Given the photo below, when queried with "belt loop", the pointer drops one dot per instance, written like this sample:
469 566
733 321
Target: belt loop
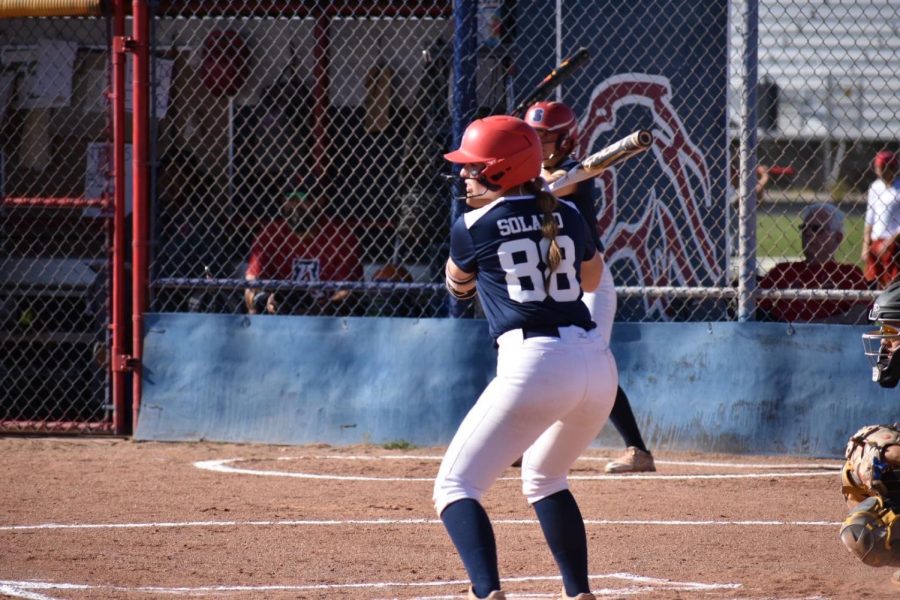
545 331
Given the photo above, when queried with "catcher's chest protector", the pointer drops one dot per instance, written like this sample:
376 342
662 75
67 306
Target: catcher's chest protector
871 486
872 454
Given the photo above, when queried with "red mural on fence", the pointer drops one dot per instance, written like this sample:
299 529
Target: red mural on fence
666 235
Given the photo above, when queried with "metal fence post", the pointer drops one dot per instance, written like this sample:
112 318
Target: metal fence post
748 199
140 134
465 40
119 363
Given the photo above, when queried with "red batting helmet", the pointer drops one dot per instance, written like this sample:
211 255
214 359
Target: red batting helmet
885 159
556 117
509 148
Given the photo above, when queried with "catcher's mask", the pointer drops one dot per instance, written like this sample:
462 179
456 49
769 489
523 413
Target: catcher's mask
881 345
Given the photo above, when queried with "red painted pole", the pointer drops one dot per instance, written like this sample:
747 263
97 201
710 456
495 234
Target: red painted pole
140 122
117 99
321 81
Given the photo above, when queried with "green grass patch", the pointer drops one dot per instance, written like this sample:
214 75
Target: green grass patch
779 235
398 445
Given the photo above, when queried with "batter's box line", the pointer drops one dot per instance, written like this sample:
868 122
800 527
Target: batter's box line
400 522
28 589
683 463
225 466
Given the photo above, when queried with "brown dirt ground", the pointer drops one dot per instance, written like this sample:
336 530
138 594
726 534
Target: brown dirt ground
239 538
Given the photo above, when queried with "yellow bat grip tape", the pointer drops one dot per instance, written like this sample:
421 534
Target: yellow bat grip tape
10 9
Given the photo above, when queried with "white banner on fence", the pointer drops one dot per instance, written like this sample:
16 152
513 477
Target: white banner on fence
48 78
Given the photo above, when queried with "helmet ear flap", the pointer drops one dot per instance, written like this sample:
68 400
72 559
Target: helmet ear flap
511 170
566 144
490 176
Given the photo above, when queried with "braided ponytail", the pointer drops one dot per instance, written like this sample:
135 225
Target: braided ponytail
547 202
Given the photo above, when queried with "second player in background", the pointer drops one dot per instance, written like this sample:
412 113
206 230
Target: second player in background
556 126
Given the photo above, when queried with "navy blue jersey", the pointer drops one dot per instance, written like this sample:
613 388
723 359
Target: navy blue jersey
502 243
583 199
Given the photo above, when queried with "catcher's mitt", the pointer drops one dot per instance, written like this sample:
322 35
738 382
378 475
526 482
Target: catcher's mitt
873 456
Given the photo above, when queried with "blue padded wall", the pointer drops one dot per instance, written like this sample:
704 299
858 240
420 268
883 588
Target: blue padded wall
729 387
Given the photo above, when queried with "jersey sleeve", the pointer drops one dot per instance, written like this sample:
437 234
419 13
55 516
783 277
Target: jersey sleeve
255 261
855 278
776 278
871 201
591 241
348 247
587 207
462 248
356 270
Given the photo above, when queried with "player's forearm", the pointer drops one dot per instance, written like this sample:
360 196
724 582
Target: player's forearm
550 177
249 294
459 283
591 273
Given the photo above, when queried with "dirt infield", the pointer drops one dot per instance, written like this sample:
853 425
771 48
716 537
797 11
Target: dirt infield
107 518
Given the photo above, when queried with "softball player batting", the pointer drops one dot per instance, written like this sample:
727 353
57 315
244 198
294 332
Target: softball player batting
529 256
555 125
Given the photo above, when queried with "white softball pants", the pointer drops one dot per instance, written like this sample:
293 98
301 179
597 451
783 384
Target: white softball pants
602 304
549 400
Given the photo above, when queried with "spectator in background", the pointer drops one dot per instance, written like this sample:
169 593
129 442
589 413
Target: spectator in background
882 229
393 302
821 232
762 181
305 244
189 232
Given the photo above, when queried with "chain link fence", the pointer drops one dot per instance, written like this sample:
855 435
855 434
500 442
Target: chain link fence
350 109
828 103
296 162
54 230
301 150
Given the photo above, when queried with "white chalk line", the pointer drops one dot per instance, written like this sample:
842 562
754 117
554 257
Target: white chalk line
650 584
225 466
408 522
25 589
17 592
686 463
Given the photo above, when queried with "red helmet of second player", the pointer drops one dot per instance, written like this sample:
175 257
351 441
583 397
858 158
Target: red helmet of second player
554 117
508 147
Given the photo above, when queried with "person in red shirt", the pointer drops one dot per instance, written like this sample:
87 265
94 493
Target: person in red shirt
305 245
821 231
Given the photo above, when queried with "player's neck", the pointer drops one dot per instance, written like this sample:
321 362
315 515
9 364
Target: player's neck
551 164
